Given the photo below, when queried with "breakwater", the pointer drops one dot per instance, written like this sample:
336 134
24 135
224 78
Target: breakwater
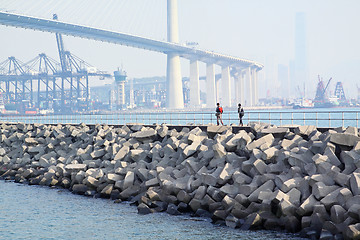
265 177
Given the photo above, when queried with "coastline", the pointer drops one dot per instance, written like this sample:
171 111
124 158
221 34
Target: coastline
259 177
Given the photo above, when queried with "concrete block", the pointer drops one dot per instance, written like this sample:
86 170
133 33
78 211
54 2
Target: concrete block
338 214
91 182
75 167
357 148
277 132
278 196
145 135
269 185
253 221
191 149
226 174
289 184
323 178
143 209
119 156
354 211
344 196
113 177
195 204
294 196
270 154
152 182
352 232
333 159
291 223
219 150
286 208
355 183
307 206
233 222
331 199
79 189
259 166
317 147
352 130
192 165
304 130
240 139
344 139
241 178
269 139
162 131
230 190
107 190
320 190
287 144
129 179
212 130
183 196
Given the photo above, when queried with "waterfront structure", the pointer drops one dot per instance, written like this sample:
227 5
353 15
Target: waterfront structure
231 66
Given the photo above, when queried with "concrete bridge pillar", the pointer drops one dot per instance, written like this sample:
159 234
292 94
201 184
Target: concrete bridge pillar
174 93
237 88
249 91
210 85
226 93
194 84
255 87
239 80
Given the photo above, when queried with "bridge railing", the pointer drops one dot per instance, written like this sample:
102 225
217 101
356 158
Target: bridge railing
279 118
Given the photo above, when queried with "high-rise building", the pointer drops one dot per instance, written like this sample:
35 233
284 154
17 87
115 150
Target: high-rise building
301 67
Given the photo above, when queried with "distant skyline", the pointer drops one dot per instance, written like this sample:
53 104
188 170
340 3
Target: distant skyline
256 30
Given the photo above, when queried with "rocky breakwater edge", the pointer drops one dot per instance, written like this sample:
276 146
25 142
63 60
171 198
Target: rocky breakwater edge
267 177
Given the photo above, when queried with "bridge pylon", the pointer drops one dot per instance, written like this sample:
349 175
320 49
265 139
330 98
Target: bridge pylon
174 99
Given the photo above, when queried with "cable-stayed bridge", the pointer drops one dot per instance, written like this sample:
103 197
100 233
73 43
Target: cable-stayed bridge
244 71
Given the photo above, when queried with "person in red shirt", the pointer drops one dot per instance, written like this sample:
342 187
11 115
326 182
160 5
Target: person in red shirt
219 111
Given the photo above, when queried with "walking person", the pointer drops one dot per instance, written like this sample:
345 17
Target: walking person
219 111
241 114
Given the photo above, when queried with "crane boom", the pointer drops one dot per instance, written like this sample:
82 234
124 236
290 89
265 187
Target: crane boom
61 49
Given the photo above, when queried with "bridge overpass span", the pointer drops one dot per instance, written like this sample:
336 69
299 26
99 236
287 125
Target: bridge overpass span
243 70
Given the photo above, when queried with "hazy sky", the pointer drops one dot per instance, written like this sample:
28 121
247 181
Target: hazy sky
252 29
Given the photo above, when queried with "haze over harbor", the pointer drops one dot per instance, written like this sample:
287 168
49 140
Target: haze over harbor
237 28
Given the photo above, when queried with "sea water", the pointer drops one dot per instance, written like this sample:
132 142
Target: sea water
37 212
321 117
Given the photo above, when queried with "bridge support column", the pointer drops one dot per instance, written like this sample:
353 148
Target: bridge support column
174 92
210 85
225 77
194 84
249 96
255 87
240 88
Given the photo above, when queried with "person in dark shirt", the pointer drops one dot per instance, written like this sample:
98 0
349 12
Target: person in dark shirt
241 114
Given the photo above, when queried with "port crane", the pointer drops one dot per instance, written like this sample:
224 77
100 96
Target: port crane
43 83
321 98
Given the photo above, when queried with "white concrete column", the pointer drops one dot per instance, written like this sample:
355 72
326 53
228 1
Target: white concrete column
210 85
226 93
249 91
194 84
172 21
174 92
237 88
255 87
240 80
